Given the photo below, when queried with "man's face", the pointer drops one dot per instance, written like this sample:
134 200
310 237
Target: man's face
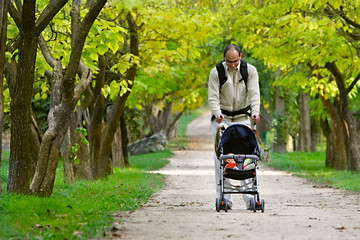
232 58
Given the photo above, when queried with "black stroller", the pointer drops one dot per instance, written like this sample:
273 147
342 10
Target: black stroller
238 142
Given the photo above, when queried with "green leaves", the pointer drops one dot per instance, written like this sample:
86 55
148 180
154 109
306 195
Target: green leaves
127 4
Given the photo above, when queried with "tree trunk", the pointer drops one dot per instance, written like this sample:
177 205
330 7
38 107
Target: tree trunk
78 166
116 150
151 118
124 141
119 154
119 104
22 138
3 30
345 119
304 140
67 163
336 156
95 131
353 142
81 165
43 181
165 117
264 125
171 131
331 155
314 134
280 145
97 124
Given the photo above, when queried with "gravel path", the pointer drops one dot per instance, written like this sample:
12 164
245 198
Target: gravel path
185 209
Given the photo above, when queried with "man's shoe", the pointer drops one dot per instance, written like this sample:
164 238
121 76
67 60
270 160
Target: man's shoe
230 204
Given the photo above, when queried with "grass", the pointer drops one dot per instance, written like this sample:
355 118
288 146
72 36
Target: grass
82 210
312 166
151 161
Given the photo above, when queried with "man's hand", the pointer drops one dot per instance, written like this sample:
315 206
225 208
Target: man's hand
255 118
219 118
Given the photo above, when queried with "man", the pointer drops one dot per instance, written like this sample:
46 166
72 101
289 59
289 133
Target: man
233 97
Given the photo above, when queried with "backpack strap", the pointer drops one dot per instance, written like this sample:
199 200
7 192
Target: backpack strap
221 72
244 72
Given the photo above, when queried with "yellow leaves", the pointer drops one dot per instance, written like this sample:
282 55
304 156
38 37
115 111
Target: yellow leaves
7 100
313 25
115 89
105 91
44 91
250 45
94 56
172 35
102 49
280 22
127 5
357 3
322 84
335 3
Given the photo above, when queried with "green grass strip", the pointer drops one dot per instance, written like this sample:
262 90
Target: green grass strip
81 210
312 166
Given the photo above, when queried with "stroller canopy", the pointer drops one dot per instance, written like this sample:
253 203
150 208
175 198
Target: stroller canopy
238 139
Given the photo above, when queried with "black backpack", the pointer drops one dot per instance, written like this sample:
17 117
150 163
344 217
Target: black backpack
221 72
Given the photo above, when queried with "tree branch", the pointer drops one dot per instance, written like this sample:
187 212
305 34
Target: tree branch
75 20
15 14
46 51
356 113
78 44
134 38
85 80
353 83
343 16
18 5
48 14
331 66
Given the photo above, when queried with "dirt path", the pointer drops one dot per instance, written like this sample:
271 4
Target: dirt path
185 208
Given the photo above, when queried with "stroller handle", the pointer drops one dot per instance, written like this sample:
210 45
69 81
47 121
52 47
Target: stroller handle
239 157
253 117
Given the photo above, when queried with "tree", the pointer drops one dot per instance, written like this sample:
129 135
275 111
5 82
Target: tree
3 29
103 164
317 34
304 142
65 95
20 75
27 149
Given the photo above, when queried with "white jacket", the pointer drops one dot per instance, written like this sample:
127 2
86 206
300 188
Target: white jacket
233 95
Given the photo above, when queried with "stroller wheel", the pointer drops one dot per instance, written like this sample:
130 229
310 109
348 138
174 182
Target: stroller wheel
262 205
226 206
253 204
217 204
